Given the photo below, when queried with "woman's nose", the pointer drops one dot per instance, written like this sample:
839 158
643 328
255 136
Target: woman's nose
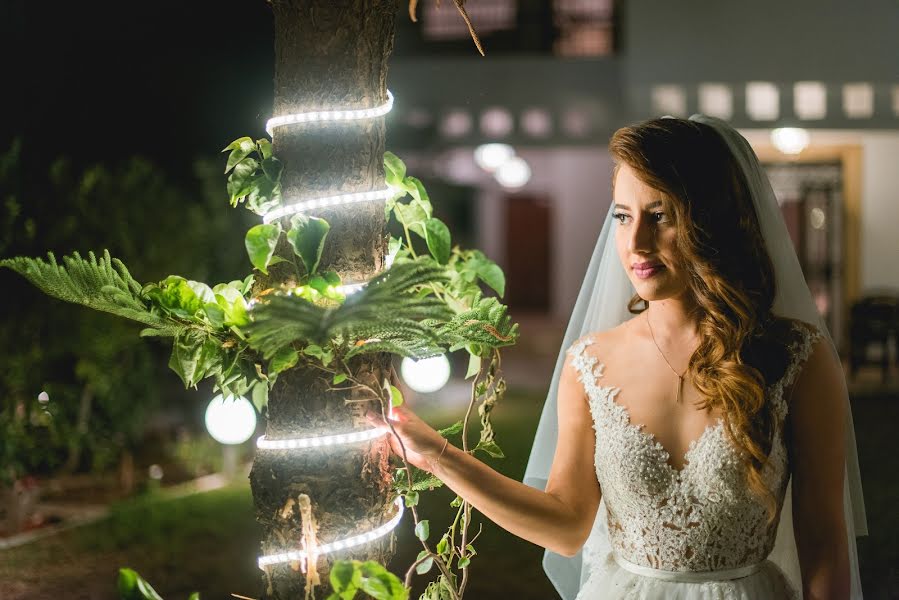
642 236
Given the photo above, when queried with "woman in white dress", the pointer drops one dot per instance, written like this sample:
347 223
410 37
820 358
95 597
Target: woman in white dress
694 442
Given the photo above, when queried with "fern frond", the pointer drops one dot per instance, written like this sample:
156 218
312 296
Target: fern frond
389 307
104 285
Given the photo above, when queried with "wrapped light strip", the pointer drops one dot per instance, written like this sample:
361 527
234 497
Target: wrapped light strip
305 205
318 442
356 540
330 115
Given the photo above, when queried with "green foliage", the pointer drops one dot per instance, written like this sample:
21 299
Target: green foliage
257 181
132 586
104 285
385 315
350 576
260 242
307 238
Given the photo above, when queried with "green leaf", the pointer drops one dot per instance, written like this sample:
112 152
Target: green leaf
422 530
240 149
452 429
394 169
417 189
470 549
380 583
490 448
339 378
313 350
283 360
272 168
194 596
260 243
411 499
424 566
438 239
193 355
492 275
443 544
260 395
413 216
464 562
307 237
474 365
265 148
341 575
240 179
133 587
396 396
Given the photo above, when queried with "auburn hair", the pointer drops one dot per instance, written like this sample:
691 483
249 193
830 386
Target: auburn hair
742 346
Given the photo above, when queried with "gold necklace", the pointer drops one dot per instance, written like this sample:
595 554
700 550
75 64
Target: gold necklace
680 378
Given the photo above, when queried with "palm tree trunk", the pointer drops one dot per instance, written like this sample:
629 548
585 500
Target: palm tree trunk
328 53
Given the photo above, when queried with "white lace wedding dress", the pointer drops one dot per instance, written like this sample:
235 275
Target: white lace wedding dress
690 534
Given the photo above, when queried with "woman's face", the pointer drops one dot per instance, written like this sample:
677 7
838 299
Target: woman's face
645 235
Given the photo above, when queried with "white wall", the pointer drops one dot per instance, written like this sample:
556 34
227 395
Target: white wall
880 211
577 180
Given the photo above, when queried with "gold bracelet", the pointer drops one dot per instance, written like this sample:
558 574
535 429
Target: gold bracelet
445 443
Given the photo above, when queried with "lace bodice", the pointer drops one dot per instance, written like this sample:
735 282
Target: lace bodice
700 518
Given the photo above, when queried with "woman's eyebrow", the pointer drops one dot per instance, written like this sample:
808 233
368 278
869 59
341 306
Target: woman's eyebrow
650 205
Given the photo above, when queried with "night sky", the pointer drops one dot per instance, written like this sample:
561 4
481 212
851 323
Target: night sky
103 80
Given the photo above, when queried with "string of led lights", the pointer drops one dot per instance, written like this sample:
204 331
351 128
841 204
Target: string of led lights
320 117
330 115
356 540
319 441
305 205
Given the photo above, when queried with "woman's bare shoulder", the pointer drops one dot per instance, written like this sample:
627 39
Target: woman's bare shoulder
609 338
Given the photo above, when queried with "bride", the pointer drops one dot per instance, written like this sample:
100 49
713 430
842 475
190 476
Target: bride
696 441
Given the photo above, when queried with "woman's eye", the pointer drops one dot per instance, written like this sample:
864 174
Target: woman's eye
620 217
660 217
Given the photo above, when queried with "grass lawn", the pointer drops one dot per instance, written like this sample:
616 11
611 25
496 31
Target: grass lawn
208 542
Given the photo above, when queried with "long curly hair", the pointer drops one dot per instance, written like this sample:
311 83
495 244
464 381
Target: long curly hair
743 344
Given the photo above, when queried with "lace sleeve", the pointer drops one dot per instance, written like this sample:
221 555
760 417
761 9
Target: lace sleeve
799 351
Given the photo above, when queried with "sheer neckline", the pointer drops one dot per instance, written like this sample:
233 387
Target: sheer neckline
716 426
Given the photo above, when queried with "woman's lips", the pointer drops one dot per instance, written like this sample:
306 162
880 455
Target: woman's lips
650 270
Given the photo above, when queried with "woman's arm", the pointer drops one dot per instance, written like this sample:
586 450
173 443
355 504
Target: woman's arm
560 518
817 422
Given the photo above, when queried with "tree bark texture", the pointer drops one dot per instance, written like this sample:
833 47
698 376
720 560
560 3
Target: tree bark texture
328 54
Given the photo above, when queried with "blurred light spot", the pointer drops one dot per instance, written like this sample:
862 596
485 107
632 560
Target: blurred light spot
513 173
762 101
858 100
418 118
790 140
716 100
817 218
575 123
456 123
810 100
155 472
496 122
536 122
43 397
427 374
490 156
669 99
230 421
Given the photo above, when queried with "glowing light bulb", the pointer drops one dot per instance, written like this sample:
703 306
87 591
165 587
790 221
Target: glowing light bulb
230 421
513 173
490 156
426 375
790 140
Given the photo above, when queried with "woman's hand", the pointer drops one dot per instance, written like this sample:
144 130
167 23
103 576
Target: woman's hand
422 442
